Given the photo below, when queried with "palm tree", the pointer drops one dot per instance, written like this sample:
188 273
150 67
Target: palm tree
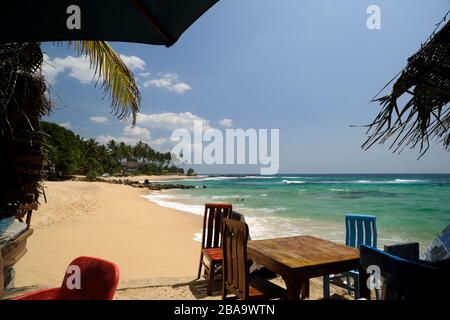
23 102
113 148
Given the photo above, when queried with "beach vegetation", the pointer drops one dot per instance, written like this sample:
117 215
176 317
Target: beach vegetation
191 172
69 154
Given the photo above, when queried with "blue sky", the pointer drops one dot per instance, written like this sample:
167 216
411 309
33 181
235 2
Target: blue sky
308 68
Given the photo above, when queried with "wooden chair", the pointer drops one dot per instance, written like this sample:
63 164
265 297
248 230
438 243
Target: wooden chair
359 230
236 278
212 239
406 279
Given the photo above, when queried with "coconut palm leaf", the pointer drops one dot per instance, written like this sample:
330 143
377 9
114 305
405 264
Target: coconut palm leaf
425 86
117 80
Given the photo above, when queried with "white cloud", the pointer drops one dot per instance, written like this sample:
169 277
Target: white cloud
226 122
131 135
78 67
137 132
104 139
66 125
99 119
170 120
160 141
145 74
168 81
133 63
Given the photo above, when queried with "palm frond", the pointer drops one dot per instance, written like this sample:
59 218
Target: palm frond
117 80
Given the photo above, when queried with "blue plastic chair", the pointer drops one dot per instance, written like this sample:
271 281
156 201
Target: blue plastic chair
359 230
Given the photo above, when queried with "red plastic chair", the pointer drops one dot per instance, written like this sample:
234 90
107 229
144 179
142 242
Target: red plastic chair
98 279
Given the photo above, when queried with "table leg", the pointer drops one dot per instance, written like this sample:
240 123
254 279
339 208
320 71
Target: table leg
364 291
295 287
305 289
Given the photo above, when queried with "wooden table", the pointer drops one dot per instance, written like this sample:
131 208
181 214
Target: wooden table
297 259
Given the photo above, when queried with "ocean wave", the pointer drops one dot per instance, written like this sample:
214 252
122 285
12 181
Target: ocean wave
293 182
236 196
407 180
159 199
395 181
263 210
389 181
260 177
263 194
213 178
288 177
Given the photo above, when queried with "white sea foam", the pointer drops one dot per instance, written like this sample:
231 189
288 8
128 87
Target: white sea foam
407 180
208 179
236 196
293 182
260 177
263 194
159 199
287 177
387 181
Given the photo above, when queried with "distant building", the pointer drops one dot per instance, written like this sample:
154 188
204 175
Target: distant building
129 164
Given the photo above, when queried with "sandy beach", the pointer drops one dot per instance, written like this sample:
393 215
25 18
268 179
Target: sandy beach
112 222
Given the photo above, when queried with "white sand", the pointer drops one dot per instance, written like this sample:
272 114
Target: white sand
111 222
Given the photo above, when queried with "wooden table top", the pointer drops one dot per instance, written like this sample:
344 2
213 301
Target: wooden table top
303 251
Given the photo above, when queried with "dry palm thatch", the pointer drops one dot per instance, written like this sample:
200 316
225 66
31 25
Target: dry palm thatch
425 116
22 104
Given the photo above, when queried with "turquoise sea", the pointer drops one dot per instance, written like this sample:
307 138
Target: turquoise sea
408 207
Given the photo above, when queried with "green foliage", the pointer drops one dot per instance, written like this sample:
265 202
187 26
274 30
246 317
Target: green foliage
70 154
191 172
64 149
91 175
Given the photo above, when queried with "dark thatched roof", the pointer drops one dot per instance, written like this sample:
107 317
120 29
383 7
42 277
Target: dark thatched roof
22 104
424 88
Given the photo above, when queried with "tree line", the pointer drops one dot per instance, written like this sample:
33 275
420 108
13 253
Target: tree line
69 154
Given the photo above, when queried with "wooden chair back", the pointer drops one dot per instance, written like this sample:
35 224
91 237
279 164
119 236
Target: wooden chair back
360 229
235 262
212 224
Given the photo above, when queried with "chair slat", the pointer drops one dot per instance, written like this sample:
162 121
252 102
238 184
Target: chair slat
347 231
234 259
368 233
375 234
352 235
217 228
210 230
